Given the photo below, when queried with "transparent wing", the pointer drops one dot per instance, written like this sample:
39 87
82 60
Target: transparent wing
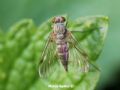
48 58
78 59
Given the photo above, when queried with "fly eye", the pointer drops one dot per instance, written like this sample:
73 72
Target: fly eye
53 20
58 20
63 19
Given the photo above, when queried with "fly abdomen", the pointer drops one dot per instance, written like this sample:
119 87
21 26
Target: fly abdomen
63 54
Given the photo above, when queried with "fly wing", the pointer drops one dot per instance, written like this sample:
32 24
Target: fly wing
48 58
78 59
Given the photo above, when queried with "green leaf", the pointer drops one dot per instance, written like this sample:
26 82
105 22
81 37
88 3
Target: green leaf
24 43
93 32
97 28
17 41
2 55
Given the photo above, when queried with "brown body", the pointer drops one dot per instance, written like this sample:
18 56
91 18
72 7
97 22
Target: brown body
60 33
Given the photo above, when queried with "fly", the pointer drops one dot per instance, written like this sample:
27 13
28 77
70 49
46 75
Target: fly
62 45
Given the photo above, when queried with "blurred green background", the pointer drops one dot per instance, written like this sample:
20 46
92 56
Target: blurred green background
12 11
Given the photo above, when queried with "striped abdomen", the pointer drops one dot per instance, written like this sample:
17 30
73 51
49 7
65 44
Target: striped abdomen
62 50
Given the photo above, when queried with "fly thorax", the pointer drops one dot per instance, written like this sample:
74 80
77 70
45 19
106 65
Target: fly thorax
59 28
60 36
60 41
